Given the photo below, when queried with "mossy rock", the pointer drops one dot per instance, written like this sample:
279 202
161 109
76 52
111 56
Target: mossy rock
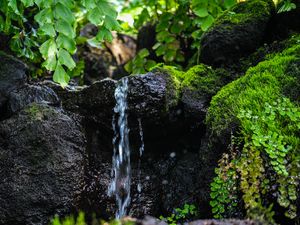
273 78
238 32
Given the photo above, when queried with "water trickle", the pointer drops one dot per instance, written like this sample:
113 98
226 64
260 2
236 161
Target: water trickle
142 148
121 169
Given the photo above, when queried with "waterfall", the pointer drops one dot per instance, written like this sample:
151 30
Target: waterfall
121 170
142 148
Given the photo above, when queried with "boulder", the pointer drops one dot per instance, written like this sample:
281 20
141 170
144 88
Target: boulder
238 32
41 161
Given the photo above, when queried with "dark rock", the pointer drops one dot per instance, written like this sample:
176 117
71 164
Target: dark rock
12 76
284 24
95 102
225 222
27 94
41 161
236 33
152 95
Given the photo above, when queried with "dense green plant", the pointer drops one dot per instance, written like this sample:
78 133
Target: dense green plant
180 215
266 164
80 220
179 25
46 31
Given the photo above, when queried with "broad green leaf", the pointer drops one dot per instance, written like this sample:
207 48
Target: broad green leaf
48 29
229 3
65 28
104 34
50 63
68 3
89 4
106 8
111 24
207 22
150 64
48 49
13 5
27 3
201 11
60 76
63 12
67 43
65 58
143 53
95 16
44 16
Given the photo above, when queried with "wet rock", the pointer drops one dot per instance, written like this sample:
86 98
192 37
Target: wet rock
41 165
225 222
148 220
12 76
27 94
95 102
152 95
236 33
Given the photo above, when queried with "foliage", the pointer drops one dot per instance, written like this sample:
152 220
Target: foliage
140 64
268 158
80 220
179 26
180 214
47 30
286 6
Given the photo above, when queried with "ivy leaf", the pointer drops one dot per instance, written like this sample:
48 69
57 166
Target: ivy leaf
106 8
104 34
60 76
207 22
143 53
48 49
27 3
65 28
48 29
65 58
95 16
201 11
13 5
111 24
89 4
44 16
229 3
67 43
62 12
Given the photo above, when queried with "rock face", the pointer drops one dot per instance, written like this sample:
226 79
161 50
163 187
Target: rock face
41 161
236 33
154 221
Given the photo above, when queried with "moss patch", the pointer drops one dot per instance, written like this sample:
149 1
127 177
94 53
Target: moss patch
267 81
245 12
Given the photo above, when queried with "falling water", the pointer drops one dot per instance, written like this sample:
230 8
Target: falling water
121 171
142 148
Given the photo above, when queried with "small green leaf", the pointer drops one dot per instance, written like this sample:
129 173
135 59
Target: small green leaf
65 28
65 58
60 76
143 53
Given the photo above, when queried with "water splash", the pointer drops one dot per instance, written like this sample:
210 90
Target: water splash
121 170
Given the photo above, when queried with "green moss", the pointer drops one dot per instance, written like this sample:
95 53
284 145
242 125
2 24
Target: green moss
245 12
205 79
39 111
267 81
265 106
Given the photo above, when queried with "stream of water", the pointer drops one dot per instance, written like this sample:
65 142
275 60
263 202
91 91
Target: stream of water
121 169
